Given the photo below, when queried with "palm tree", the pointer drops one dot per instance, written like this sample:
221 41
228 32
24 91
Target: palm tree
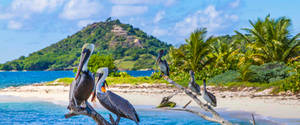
269 40
225 54
195 54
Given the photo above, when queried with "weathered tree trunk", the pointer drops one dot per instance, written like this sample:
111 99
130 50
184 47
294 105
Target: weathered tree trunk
90 112
215 115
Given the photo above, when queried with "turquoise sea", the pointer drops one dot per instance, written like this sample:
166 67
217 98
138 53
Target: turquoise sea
42 113
19 111
8 79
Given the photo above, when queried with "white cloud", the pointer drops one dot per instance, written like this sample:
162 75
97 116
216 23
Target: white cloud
214 20
6 16
234 4
159 32
34 5
160 15
29 5
131 2
186 26
83 23
25 8
232 17
14 25
170 2
127 10
211 11
79 9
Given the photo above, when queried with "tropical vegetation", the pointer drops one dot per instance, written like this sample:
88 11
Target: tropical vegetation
267 54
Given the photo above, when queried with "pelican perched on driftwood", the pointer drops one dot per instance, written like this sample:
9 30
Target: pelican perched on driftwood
83 85
111 101
163 65
193 85
209 97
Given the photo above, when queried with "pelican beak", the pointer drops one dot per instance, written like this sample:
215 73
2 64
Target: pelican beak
158 59
106 84
97 76
161 52
103 89
84 58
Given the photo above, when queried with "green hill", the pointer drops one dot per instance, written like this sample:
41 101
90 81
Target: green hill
131 48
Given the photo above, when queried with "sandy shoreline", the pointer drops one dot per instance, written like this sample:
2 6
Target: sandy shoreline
260 103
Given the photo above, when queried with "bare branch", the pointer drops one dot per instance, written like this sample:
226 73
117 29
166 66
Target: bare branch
196 113
88 111
253 119
216 117
171 96
187 104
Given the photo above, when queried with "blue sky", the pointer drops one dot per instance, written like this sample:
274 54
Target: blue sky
29 25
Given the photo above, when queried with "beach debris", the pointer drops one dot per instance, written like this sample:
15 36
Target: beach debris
215 115
88 111
165 102
170 104
253 120
187 104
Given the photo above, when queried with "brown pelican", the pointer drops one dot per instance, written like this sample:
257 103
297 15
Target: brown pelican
83 85
111 101
208 97
163 65
193 85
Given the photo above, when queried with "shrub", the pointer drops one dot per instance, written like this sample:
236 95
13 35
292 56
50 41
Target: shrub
291 83
269 72
124 74
226 77
155 75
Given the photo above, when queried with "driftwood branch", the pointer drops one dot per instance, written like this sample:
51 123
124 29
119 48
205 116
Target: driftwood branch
167 98
215 115
253 120
90 112
187 104
196 113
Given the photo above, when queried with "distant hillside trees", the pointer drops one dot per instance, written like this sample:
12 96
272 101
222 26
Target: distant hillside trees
110 38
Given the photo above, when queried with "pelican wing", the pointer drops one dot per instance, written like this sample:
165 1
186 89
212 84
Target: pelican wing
73 85
213 99
167 68
194 87
197 87
122 106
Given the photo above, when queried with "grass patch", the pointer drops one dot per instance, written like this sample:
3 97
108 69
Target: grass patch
280 86
111 80
60 81
133 80
125 64
66 80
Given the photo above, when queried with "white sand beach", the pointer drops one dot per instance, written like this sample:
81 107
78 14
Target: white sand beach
145 94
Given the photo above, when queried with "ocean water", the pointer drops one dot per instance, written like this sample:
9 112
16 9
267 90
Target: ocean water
21 111
42 113
139 73
29 77
8 79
